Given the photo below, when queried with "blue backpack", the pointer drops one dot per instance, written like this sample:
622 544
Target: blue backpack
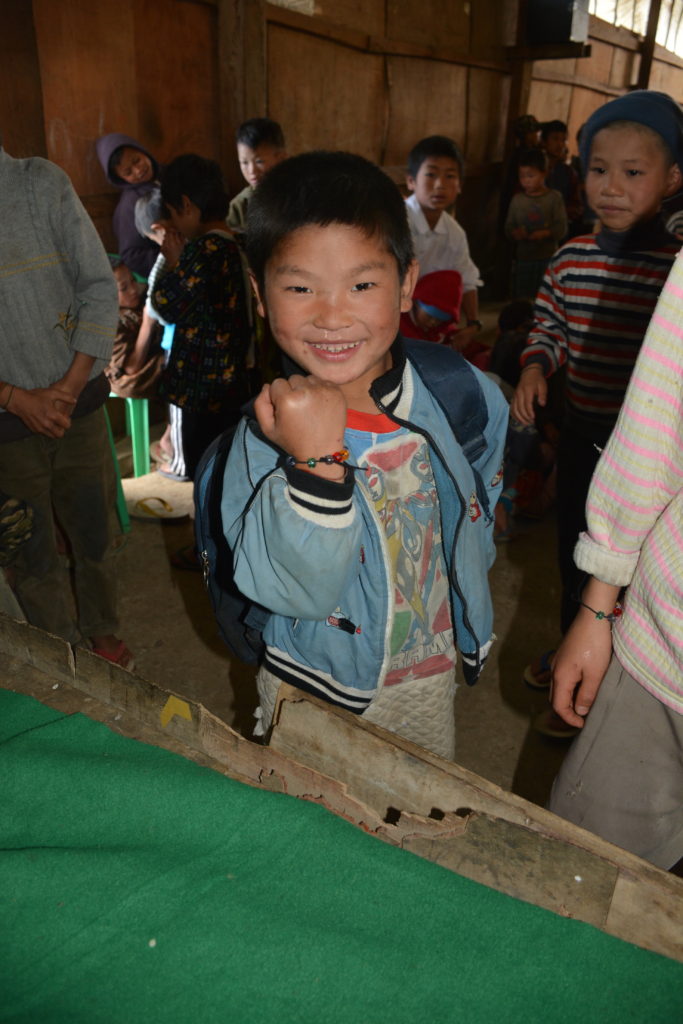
241 621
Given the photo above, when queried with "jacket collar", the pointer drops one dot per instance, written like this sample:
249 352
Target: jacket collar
643 237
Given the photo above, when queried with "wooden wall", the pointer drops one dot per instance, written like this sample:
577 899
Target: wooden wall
368 75
572 89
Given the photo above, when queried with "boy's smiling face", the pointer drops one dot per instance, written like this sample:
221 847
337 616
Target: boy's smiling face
133 166
334 299
628 176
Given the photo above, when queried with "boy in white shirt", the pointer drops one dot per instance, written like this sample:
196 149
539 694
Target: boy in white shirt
435 170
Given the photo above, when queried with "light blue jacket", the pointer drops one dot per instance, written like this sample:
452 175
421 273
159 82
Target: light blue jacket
312 550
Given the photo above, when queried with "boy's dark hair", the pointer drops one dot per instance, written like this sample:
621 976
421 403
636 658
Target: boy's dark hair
552 126
199 179
259 131
149 210
322 188
532 158
434 145
115 262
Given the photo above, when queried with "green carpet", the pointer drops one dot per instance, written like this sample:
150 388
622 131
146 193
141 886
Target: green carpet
138 887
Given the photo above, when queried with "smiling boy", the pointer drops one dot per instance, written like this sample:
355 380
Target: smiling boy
435 171
351 508
133 170
599 293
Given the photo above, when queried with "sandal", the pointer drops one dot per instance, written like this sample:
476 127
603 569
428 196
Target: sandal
186 558
539 674
120 656
155 509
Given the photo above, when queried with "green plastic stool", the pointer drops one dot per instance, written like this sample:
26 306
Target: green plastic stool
137 428
121 507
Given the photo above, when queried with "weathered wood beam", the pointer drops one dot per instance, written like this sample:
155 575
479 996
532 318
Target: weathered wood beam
648 47
392 789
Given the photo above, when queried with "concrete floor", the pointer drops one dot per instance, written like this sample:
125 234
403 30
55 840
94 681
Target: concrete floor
167 621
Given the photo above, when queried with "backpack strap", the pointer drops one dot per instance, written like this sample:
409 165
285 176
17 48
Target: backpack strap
453 383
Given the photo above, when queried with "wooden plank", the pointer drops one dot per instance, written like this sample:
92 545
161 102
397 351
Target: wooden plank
389 787
624 69
579 81
21 100
616 35
508 843
411 116
430 21
89 83
583 103
313 91
488 95
667 78
550 101
648 47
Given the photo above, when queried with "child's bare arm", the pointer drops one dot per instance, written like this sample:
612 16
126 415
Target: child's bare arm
532 388
584 655
306 417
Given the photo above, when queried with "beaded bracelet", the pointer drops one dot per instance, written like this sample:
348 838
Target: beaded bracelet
335 459
611 617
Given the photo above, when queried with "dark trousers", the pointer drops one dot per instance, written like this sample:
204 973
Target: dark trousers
198 430
576 460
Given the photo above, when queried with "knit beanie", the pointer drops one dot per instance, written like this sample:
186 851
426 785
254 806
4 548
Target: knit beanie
440 293
654 109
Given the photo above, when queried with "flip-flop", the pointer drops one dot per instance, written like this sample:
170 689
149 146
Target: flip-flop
542 679
117 656
155 509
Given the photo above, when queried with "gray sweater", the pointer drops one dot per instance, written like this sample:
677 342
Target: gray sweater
57 291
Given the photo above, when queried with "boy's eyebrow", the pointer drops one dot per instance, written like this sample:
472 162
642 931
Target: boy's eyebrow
362 268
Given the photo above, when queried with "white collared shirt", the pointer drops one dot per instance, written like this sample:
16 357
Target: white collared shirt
443 247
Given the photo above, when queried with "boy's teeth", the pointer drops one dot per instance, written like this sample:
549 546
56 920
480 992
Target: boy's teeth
334 348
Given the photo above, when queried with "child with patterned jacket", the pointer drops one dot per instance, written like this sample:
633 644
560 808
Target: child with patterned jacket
352 511
201 290
623 777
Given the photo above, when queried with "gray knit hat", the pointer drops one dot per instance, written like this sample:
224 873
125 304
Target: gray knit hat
656 110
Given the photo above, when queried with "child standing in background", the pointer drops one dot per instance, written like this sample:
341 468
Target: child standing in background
597 298
536 221
133 170
260 146
435 172
201 290
135 367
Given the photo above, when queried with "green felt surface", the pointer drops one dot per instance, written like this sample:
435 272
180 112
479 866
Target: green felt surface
137 886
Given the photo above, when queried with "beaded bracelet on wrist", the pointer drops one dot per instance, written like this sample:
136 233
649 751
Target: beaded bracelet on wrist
610 617
339 458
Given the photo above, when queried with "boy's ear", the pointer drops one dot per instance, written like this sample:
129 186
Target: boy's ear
410 182
260 304
408 286
674 180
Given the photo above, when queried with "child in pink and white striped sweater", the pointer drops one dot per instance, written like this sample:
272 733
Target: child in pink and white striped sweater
623 777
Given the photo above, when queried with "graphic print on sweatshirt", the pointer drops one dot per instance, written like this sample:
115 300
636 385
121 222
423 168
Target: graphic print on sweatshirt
399 481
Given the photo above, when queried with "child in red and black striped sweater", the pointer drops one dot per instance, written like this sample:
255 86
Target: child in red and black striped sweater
599 293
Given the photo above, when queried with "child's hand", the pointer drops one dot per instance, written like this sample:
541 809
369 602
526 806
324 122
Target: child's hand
539 235
171 247
306 417
532 388
44 410
579 667
519 234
